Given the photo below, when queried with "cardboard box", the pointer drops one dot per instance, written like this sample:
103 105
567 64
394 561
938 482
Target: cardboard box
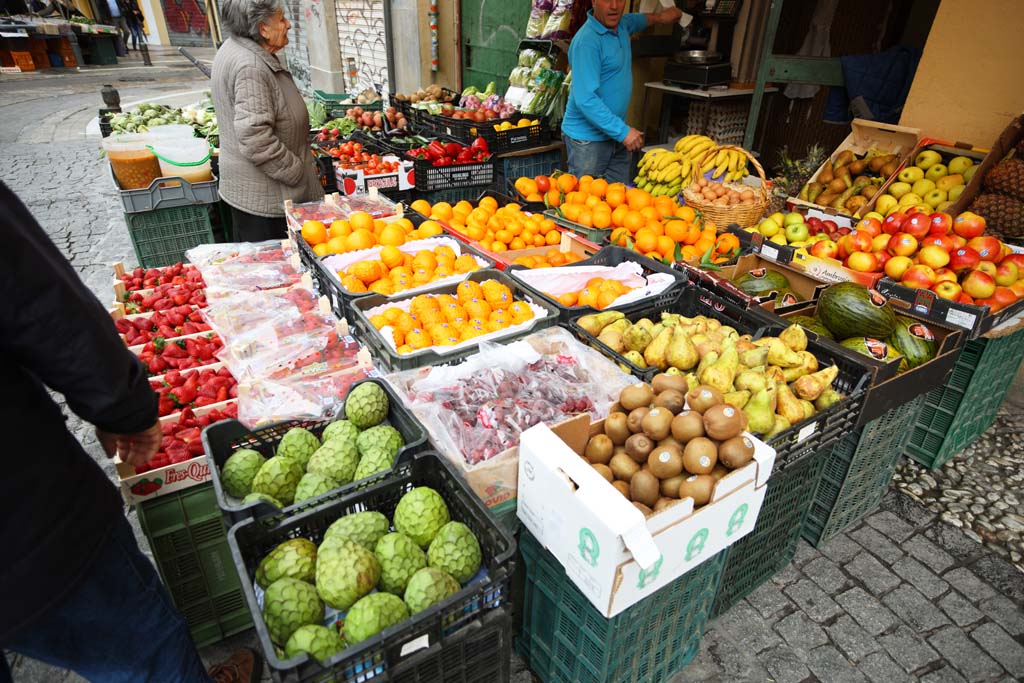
976 320
351 181
721 281
615 556
570 243
1006 141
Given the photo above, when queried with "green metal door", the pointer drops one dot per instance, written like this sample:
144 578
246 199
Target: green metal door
491 31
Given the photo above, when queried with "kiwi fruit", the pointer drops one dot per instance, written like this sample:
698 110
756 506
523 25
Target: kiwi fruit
687 425
636 418
643 508
669 441
638 447
736 452
604 471
698 487
663 382
671 399
657 424
670 486
616 429
723 422
599 449
623 467
700 456
636 396
666 462
703 397
719 471
617 408
644 488
617 450
622 487
663 503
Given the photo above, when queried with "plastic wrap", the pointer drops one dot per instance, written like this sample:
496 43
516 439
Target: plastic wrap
540 12
238 274
316 397
212 254
272 353
520 76
528 57
557 26
232 313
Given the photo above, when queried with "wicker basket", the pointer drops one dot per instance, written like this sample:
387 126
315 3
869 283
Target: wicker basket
743 215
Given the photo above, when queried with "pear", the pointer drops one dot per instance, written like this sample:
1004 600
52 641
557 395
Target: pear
794 337
656 330
808 409
595 323
706 362
656 351
589 324
743 344
808 364
691 381
774 374
751 380
781 355
681 352
636 358
673 371
637 337
728 332
754 358
827 399
670 318
810 387
722 372
737 399
621 325
705 347
612 339
645 323
760 410
789 405
779 425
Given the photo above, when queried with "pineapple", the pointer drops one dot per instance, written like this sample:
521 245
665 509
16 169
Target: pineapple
1007 178
1003 215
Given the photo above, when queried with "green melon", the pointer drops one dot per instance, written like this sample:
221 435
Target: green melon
761 282
876 349
914 340
812 324
850 310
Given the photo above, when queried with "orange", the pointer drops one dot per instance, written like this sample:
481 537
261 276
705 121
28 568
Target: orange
655 226
520 311
517 243
489 203
665 206
454 312
584 184
566 182
585 218
606 298
646 240
615 195
391 257
676 230
392 235
633 221
690 253
378 225
555 257
405 224
526 186
314 232
687 213
462 207
398 272
602 217
469 290
592 201
441 210
619 215
385 287
573 258
703 244
477 308
588 296
361 238
599 187
320 249
360 220
366 271
421 206
339 228
418 339
378 321
424 260
466 264
649 213
540 240
637 198
497 246
430 229
568 299
353 284
666 246
553 237
553 197
619 236
335 245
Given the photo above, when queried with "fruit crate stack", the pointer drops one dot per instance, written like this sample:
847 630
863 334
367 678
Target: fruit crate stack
162 236
725 122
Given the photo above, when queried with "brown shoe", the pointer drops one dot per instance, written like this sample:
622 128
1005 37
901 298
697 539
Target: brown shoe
243 666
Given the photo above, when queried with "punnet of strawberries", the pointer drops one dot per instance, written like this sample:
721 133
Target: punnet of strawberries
173 322
164 297
160 355
193 389
182 438
179 273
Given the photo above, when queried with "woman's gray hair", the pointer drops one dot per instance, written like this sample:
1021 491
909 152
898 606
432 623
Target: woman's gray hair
242 18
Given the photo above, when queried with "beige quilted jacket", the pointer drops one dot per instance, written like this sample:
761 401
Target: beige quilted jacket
264 128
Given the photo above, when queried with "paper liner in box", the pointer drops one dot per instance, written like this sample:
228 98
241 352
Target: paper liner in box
566 279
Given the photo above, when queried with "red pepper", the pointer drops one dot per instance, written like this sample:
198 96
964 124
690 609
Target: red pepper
435 150
480 145
452 149
465 156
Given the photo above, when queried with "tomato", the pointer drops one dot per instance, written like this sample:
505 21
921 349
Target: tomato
543 183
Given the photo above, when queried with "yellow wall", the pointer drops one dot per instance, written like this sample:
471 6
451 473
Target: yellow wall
969 84
449 72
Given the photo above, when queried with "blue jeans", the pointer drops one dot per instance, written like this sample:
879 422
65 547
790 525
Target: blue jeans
606 159
118 626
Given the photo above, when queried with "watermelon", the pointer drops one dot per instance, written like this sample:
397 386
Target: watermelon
761 282
873 348
812 324
849 310
914 340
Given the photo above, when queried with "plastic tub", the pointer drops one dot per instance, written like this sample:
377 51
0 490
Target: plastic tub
185 158
173 131
133 162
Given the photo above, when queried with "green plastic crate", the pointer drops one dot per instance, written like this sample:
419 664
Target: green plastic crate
858 471
956 414
191 551
766 550
162 237
564 638
336 108
531 165
470 194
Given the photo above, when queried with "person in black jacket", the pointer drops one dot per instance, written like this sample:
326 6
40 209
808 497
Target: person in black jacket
75 591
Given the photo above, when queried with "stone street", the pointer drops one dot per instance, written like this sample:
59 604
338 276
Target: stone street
902 595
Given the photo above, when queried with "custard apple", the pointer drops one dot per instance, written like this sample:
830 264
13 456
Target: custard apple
239 471
374 461
340 429
345 572
319 642
365 528
373 614
420 514
399 558
366 405
312 485
253 497
337 459
455 550
295 559
428 586
382 436
278 478
289 604
298 444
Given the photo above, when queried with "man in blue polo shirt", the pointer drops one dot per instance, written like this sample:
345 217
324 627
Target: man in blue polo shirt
597 138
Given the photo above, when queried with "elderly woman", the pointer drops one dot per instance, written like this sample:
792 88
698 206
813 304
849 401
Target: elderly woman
264 124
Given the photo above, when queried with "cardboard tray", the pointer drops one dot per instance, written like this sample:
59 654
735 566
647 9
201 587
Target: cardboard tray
923 303
720 282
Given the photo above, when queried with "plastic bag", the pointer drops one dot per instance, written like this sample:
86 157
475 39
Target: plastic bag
557 26
315 397
520 76
527 57
238 274
231 313
558 281
272 353
540 12
540 66
211 254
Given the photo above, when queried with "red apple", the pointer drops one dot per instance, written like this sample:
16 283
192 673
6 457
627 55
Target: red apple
940 223
842 231
993 305
871 226
968 225
979 285
965 298
1006 273
919 277
880 242
902 244
543 183
988 247
1018 288
1015 258
825 249
963 259
988 268
945 274
858 241
947 290
862 262
917 225
933 257
830 226
1005 296
944 242
958 241
896 266
891 224
882 257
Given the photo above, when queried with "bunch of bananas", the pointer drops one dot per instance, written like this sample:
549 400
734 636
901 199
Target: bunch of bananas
665 172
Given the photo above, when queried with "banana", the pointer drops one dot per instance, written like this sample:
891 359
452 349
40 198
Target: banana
707 165
666 159
684 168
721 156
734 160
689 142
700 148
671 172
720 169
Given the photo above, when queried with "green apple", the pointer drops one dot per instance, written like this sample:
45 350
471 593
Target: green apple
797 232
792 218
899 189
927 159
935 197
959 164
768 227
948 182
885 203
910 199
911 174
955 192
969 173
936 171
943 206
922 187
778 239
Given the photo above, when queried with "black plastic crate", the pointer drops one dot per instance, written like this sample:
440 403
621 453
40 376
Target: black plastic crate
222 439
385 356
380 657
610 256
430 177
514 139
382 145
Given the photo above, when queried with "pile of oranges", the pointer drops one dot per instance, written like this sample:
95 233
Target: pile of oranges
395 271
549 259
476 308
494 229
362 231
599 293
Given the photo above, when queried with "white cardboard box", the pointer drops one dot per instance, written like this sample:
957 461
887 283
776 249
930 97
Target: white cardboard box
608 549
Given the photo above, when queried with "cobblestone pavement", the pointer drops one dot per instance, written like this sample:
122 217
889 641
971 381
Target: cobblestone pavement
900 596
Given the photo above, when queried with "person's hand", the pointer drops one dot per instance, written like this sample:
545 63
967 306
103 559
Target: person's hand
634 140
670 15
134 449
